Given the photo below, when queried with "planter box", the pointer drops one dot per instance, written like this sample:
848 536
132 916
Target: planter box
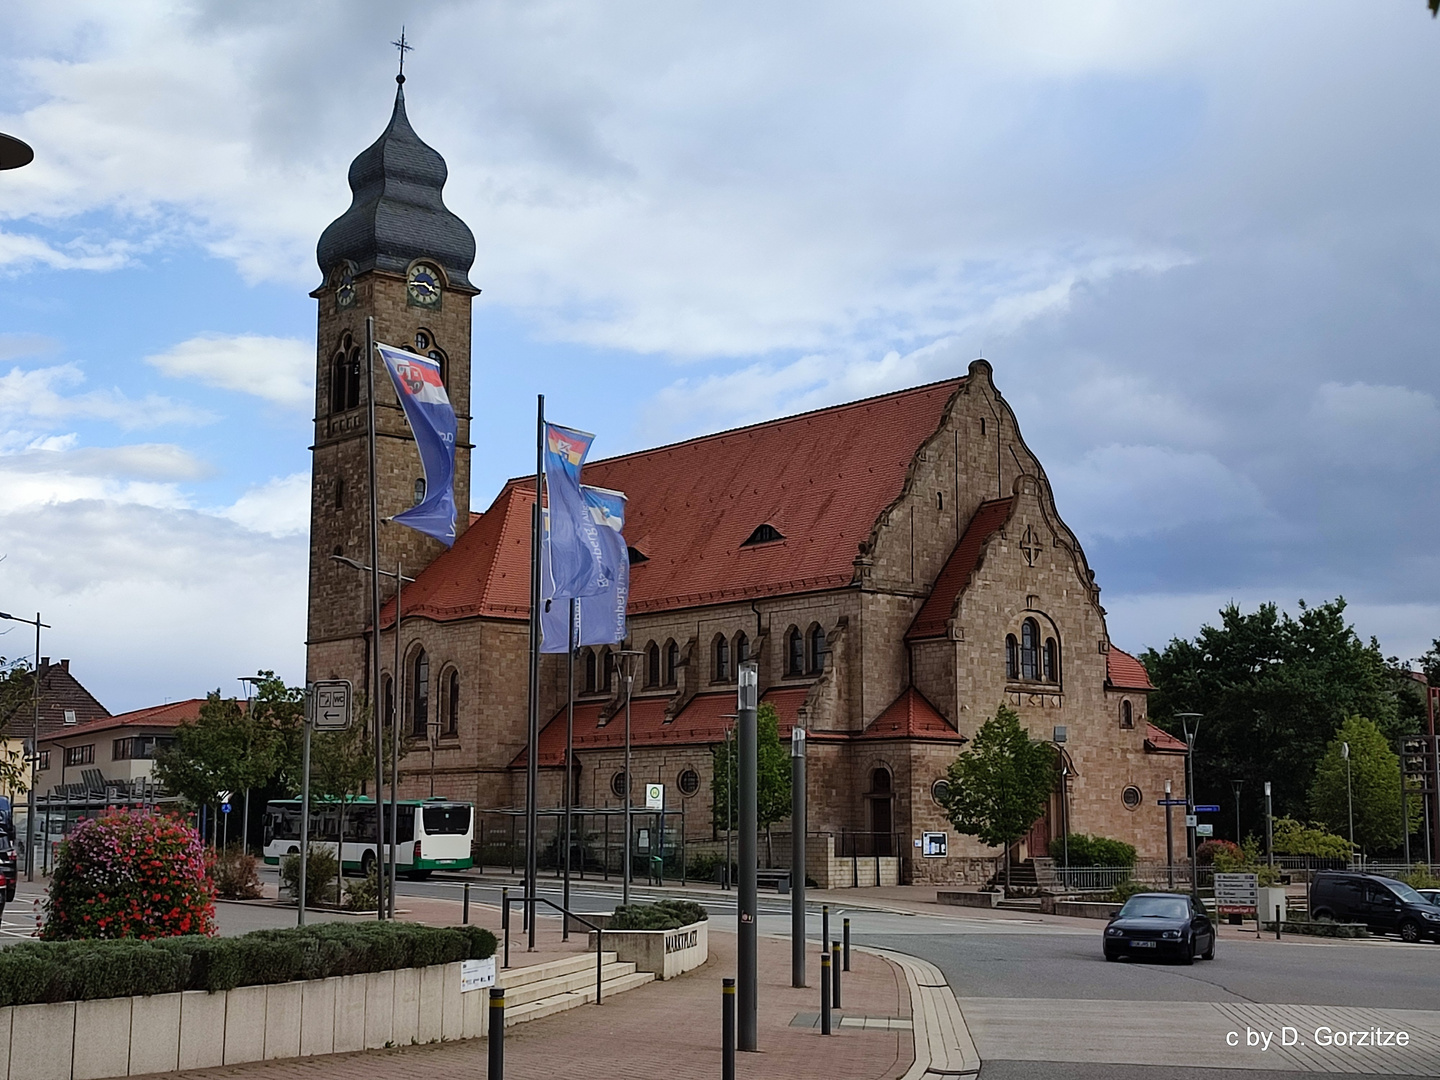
663 953
1321 929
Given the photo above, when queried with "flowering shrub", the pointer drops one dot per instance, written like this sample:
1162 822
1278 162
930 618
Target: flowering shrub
130 874
236 875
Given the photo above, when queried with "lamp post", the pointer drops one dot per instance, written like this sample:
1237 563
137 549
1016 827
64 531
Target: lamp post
628 659
1186 720
1349 797
1060 734
797 856
1237 784
748 701
13 155
1169 840
35 736
1269 828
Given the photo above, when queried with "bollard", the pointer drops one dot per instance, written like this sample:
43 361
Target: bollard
727 1029
835 974
1277 922
824 926
824 991
847 944
496 1069
465 910
505 922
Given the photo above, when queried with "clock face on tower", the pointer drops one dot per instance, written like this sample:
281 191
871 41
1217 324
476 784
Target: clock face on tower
422 286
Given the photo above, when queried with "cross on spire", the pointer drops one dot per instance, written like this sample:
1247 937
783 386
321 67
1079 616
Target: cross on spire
404 48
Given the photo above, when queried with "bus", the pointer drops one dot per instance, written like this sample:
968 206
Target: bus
432 834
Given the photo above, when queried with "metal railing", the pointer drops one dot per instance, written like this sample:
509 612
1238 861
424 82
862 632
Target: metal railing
507 900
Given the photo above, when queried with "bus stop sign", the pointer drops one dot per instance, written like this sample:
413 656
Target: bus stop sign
329 705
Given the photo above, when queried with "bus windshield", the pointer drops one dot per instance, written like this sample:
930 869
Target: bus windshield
448 820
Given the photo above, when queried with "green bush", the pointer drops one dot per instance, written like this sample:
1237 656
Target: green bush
661 915
1290 837
1126 889
34 972
320 873
1086 850
1421 878
236 875
363 895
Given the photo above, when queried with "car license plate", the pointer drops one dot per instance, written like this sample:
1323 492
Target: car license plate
1142 944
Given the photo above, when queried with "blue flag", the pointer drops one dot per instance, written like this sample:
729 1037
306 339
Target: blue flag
599 619
432 420
580 563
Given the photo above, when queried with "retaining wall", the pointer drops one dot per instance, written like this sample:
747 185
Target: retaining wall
663 953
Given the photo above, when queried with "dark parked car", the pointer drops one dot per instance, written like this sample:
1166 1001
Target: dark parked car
1433 895
1160 924
1383 904
9 871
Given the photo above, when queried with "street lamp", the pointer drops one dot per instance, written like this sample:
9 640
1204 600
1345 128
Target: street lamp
1169 840
13 154
1237 785
628 659
35 739
1349 797
1059 736
1185 719
1269 828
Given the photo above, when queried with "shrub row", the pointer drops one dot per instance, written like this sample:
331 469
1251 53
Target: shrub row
661 915
1085 850
48 971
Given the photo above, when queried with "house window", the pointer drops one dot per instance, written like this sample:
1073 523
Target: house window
44 760
689 781
590 683
1030 650
138 747
420 703
1012 657
722 659
1051 660
794 652
452 704
763 534
818 649
742 648
1127 714
652 665
80 755
672 662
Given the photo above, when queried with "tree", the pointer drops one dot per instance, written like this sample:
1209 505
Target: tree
1000 786
772 778
1272 690
17 689
1430 664
340 763
1374 782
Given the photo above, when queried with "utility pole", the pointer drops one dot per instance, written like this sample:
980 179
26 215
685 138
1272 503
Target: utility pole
628 658
746 960
35 735
1190 735
1169 839
1269 828
797 856
374 674
1349 798
1237 784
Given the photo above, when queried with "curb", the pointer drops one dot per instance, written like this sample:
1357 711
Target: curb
943 1047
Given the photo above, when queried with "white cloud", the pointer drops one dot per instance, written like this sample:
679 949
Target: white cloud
1366 425
280 370
20 252
35 395
280 507
53 472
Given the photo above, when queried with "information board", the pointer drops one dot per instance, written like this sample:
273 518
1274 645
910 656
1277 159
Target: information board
1236 894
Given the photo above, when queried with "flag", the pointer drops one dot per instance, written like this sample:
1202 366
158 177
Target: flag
599 619
580 563
432 420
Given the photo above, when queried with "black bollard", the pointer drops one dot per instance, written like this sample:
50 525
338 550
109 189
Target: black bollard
1277 922
727 1029
505 922
824 926
847 944
835 974
465 910
824 991
496 1069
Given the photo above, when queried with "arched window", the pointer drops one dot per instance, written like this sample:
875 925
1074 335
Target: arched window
1029 650
607 669
742 649
818 649
419 490
722 658
794 652
1012 657
345 376
1052 660
672 662
880 781
340 493
452 704
652 665
1127 714
420 703
388 696
590 681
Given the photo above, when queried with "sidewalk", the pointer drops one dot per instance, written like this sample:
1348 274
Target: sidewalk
658 1031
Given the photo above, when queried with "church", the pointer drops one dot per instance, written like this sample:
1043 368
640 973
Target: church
895 566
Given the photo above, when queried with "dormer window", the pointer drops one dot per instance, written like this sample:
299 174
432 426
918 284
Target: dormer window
765 534
636 555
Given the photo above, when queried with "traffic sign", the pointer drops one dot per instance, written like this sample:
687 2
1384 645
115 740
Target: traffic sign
1204 829
654 796
328 705
224 807
1207 809
1191 821
1170 802
1236 894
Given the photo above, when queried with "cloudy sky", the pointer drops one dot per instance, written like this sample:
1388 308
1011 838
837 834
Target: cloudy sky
1198 243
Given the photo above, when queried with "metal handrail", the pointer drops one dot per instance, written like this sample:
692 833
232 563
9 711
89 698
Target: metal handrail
599 934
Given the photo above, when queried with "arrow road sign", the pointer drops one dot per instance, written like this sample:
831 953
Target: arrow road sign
329 705
1207 809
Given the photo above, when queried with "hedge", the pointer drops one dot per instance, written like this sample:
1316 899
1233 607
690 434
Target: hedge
1085 850
661 915
47 971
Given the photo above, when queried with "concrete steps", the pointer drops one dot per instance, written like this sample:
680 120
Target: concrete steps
549 988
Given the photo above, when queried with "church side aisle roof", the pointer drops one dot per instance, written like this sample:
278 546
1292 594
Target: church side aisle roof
934 615
820 479
1124 672
911 716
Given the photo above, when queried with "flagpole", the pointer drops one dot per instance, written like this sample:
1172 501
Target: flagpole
395 738
380 882
569 755
532 770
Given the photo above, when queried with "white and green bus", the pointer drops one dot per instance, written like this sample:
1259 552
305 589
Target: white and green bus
431 834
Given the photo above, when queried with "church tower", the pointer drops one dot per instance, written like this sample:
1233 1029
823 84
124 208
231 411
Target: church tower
399 255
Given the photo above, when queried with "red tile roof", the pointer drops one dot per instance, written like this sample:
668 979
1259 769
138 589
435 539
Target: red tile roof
1163 741
168 715
60 692
821 479
910 716
1124 672
934 615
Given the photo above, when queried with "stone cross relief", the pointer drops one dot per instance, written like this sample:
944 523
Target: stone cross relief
1030 546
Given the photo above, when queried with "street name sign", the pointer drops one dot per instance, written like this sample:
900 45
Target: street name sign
1170 802
329 705
1207 809
1236 894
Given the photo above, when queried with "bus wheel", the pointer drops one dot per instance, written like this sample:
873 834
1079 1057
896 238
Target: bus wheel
367 864
419 875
